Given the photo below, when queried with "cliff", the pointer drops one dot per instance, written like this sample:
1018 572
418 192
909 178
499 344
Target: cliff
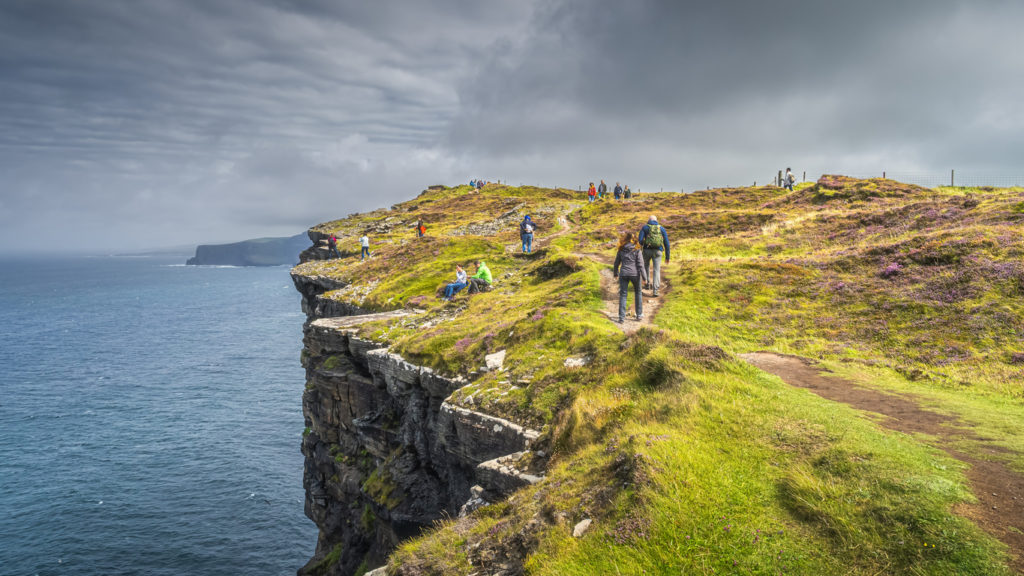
521 430
258 252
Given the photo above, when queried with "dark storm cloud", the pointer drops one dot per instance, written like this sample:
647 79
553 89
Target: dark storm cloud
688 93
182 122
178 122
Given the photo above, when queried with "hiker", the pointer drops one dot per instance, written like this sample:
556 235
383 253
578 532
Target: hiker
618 191
332 247
654 241
481 281
591 193
627 193
460 283
364 242
629 267
526 228
420 229
602 190
472 183
789 179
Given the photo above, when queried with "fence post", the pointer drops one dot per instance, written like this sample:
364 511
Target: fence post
883 174
778 181
951 172
805 176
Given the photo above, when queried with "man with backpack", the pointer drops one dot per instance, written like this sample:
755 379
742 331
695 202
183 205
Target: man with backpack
602 190
654 240
526 228
618 191
789 179
332 247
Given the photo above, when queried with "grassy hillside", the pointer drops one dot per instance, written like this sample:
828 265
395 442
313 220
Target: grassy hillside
686 458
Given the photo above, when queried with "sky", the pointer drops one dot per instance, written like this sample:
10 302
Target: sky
135 124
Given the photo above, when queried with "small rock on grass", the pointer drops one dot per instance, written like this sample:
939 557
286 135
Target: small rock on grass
581 528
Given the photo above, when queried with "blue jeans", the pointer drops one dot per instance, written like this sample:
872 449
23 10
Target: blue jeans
527 241
624 294
333 251
365 253
590 198
451 289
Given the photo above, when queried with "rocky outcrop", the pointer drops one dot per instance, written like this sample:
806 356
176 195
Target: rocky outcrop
386 453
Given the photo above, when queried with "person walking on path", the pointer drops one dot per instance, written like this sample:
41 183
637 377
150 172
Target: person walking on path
460 282
627 193
332 247
629 268
364 242
591 193
526 228
789 179
618 191
654 241
602 190
480 281
420 229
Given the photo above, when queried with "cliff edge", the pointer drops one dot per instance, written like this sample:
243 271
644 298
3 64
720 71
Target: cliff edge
521 430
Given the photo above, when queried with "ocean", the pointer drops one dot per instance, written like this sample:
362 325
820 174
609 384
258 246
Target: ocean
150 419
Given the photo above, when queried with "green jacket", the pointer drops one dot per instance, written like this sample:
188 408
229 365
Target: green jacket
483 273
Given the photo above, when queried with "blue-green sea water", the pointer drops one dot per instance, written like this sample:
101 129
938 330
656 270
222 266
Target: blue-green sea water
150 419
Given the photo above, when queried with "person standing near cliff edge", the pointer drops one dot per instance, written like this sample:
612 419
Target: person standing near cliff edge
654 241
332 247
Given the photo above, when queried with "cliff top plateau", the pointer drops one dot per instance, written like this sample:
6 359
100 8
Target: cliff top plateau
830 381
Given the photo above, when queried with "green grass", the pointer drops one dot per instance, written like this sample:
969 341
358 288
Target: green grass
687 460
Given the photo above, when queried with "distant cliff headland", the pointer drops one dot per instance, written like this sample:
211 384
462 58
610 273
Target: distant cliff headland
830 381
258 252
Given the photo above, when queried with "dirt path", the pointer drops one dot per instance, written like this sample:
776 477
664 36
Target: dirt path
609 285
999 490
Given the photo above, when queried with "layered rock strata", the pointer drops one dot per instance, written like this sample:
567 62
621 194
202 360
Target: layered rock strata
386 454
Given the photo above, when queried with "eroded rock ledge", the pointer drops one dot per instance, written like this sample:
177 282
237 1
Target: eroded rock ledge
386 454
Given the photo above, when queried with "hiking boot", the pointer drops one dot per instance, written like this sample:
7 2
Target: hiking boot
620 320
654 294
640 318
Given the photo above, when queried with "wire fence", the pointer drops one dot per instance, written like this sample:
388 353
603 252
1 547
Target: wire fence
927 180
952 178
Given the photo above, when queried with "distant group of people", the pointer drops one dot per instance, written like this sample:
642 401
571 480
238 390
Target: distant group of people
477 183
638 263
598 193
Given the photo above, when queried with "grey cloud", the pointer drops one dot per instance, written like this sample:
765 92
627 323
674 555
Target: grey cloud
202 121
733 90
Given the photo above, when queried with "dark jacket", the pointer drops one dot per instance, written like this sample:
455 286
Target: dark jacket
664 237
618 191
631 260
522 226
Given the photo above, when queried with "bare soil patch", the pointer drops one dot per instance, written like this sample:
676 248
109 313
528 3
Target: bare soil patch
999 490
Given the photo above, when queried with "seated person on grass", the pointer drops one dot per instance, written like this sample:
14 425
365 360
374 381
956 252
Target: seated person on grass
459 284
481 281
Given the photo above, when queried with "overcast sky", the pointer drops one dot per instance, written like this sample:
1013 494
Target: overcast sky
143 123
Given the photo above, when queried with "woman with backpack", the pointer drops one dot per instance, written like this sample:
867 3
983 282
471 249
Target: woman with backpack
526 228
629 267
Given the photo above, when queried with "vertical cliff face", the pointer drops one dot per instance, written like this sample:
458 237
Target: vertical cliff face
386 454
